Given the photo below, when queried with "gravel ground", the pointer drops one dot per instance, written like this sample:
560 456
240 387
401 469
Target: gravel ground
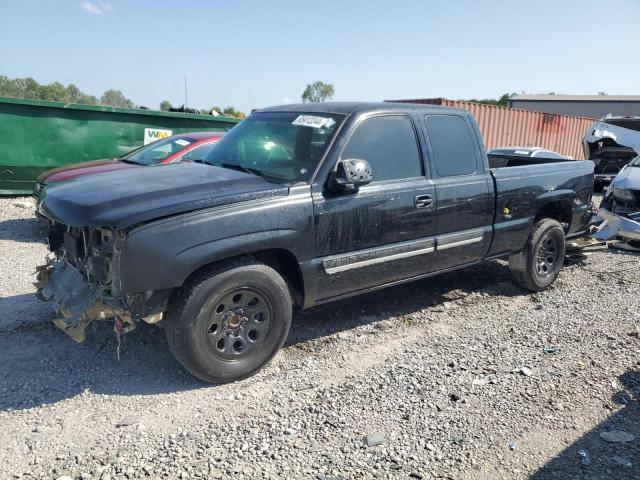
462 376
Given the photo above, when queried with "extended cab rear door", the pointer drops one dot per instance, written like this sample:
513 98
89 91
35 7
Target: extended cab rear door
464 190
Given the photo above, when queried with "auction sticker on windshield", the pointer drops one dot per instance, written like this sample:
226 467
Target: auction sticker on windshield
313 121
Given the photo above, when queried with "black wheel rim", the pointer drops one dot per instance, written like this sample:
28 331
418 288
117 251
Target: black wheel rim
237 323
547 256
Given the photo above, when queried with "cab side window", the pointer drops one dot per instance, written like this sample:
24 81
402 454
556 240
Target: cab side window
452 145
389 144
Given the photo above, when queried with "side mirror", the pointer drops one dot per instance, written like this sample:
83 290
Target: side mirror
350 174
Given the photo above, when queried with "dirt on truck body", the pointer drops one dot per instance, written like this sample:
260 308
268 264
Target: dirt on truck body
299 205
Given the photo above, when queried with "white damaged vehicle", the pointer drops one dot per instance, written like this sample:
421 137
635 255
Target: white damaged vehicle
620 207
611 143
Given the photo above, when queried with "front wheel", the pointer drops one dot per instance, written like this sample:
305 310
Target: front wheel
538 264
230 321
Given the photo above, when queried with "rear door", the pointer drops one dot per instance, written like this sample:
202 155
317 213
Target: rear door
464 191
385 231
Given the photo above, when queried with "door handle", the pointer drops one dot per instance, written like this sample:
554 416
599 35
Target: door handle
423 201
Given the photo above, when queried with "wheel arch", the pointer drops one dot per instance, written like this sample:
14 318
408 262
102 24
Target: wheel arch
281 260
523 263
556 209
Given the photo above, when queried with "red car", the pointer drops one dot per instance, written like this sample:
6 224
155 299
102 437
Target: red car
183 147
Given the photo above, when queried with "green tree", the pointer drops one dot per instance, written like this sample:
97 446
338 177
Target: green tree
317 92
17 87
231 112
165 105
31 89
54 92
6 87
503 101
20 87
115 98
74 95
88 100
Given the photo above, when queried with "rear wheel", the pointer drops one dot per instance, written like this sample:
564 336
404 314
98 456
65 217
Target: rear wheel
538 264
229 322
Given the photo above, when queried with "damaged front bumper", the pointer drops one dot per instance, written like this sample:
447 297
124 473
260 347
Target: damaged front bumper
614 225
77 302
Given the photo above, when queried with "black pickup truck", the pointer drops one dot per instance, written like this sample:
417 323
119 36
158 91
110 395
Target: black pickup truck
297 206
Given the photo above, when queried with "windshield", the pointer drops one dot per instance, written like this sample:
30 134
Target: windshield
282 146
635 162
158 151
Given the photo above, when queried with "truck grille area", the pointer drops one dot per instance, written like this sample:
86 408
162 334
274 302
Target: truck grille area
37 190
90 250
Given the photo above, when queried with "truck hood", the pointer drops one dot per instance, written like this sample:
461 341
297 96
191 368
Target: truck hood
81 169
125 198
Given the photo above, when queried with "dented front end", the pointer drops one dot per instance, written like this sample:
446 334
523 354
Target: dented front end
612 143
620 207
81 280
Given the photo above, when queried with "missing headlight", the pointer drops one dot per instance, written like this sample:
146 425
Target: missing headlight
623 194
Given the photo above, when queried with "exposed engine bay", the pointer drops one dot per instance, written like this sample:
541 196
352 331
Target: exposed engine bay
611 143
90 250
80 279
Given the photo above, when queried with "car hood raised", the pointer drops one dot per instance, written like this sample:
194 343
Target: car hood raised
125 198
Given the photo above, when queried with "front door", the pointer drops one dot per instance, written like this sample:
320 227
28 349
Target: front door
385 231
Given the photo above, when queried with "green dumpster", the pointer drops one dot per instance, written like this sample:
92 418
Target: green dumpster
36 136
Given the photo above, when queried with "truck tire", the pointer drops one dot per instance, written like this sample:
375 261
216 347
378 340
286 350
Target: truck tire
229 321
538 264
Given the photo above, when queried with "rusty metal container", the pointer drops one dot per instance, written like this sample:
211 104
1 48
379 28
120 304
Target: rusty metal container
514 127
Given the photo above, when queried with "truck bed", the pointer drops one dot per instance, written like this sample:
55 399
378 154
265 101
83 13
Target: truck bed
520 191
501 161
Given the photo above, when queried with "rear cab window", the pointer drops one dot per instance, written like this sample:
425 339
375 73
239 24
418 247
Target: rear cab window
452 144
